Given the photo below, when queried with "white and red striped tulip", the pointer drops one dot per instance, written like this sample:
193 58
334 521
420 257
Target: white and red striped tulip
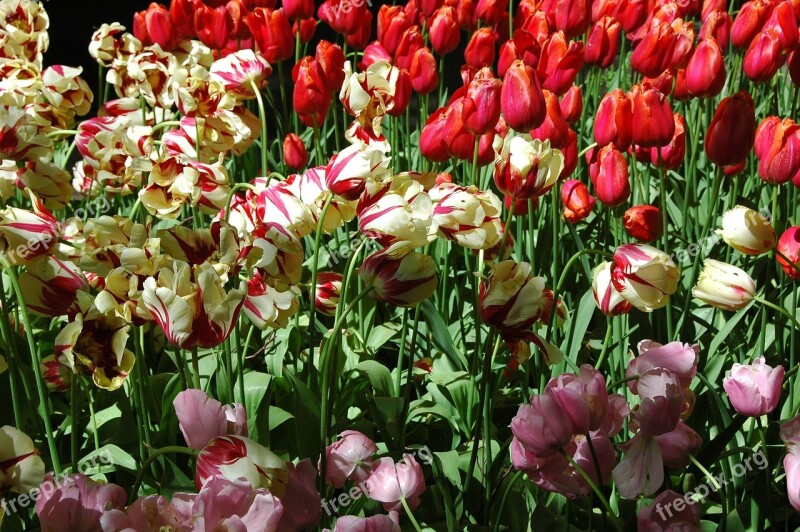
403 281
644 276
235 457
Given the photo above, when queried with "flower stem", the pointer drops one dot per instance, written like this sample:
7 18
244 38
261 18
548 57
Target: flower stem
262 115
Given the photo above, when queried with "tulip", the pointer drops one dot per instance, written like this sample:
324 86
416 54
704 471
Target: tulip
349 457
50 286
181 13
311 97
678 445
298 9
777 146
431 138
609 175
572 105
653 54
602 44
481 104
361 38
643 222
267 306
717 25
523 46
608 300
240 72
684 43
202 418
794 66
644 275
731 133
783 21
569 16
294 152
467 216
577 201
763 58
654 516
653 124
559 63
791 464
403 281
57 377
672 155
347 172
24 234
705 72
521 98
444 31
392 23
272 33
788 248
234 457
213 25
154 26
423 72
748 22
583 398
541 426
328 291
613 122
525 168
661 404
490 11
747 231
554 127
392 482
344 17
677 357
512 299
76 502
331 58
755 389
21 468
376 523
724 286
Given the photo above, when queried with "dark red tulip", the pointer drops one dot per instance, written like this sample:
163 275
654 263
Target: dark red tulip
213 26
684 43
311 97
777 147
794 66
392 23
718 26
577 201
643 222
465 15
570 152
672 154
411 41
331 58
705 73
431 138
569 16
680 91
609 174
181 12
444 32
306 27
272 32
602 44
731 133
238 13
482 102
763 58
491 11
360 38
295 153
460 142
572 104
480 49
748 22
429 7
653 124
154 26
613 121
554 126
298 9
559 63
521 98
424 72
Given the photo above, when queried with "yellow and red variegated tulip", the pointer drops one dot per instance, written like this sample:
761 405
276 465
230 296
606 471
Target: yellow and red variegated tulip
511 299
105 238
21 468
312 189
235 457
608 300
20 82
369 95
50 183
25 235
50 286
63 86
25 27
191 306
266 306
105 43
525 167
20 138
328 292
241 73
644 276
57 377
277 207
403 281
466 215
348 171
747 231
724 286
400 218
94 344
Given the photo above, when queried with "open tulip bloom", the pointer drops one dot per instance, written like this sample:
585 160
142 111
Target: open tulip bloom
425 265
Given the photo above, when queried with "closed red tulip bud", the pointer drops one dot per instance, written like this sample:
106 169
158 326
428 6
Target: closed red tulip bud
444 31
559 63
490 11
402 94
536 25
609 175
154 26
763 58
373 53
653 54
213 26
460 142
521 98
480 49
570 16
748 22
361 38
181 12
672 154
578 202
554 126
570 152
306 27
424 72
680 91
731 132
392 23
311 97
272 32
631 13
794 66
663 83
410 42
789 252
653 124
782 19
523 46
429 7
298 9
331 58
295 153
572 104
613 121
431 138
482 102
718 26
734 169
602 44
705 72
643 222
465 15
684 43
711 6
777 147
239 30
343 16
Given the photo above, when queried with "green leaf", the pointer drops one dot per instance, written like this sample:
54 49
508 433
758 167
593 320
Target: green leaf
447 462
381 334
109 455
378 375
256 385
441 335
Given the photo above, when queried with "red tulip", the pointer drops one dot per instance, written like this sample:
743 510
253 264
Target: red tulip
343 16
613 121
569 16
572 104
653 124
672 154
782 19
272 32
361 38
523 46
402 94
712 6
373 53
294 152
602 44
482 102
465 15
491 11
431 138
794 66
560 63
181 12
311 97
684 43
718 26
680 91
392 23
306 27
570 152
154 26
731 132
213 26
748 22
643 222
480 49
298 9
424 73
609 174
410 42
763 58
331 58
705 73
429 7
554 126
631 13
777 147
444 31
521 98
460 142
789 252
578 202
239 30
663 82
653 54
521 206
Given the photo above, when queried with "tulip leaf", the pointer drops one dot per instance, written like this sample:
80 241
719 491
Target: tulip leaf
441 335
579 325
255 389
113 455
447 463
378 375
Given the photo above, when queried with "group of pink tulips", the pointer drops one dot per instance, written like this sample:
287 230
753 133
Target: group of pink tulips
283 270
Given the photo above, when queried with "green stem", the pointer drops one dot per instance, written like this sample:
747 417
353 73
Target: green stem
177 449
410 514
780 309
262 115
401 353
314 270
196 369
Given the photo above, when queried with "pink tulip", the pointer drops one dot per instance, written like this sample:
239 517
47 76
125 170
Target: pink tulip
302 502
656 517
560 476
790 434
390 482
641 470
677 445
153 512
541 426
754 389
376 523
77 503
225 504
202 418
350 457
791 464
679 358
662 402
583 397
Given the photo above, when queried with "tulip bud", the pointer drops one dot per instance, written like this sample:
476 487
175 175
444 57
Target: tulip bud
705 72
480 49
331 58
298 9
717 25
754 389
559 63
578 203
481 105
608 300
671 156
213 26
613 122
724 286
423 72
525 168
602 44
572 105
349 457
391 482
444 31
272 32
57 377
644 275
326 297
763 58
403 281
747 231
311 97
653 122
181 13
490 11
731 132
431 139
653 54
392 23
154 26
643 222
789 252
347 172
777 146
608 171
521 98
305 28
294 152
